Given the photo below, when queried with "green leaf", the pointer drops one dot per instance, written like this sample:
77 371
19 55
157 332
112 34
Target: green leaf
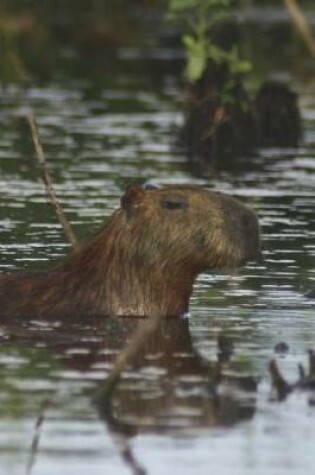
236 64
196 57
217 54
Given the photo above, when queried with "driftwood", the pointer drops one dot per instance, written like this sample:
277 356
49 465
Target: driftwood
305 380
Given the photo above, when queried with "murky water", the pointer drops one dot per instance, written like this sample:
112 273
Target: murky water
167 415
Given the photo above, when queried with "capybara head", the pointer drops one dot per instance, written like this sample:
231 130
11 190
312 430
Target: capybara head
146 258
189 226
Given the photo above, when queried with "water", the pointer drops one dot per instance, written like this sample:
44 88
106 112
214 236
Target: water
167 416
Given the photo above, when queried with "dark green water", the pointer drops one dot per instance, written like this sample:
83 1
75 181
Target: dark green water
99 134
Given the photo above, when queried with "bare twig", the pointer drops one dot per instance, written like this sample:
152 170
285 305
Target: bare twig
48 183
301 24
36 436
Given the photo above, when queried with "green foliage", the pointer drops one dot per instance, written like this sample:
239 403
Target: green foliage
200 17
197 56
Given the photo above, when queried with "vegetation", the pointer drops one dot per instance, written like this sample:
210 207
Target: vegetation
224 117
201 19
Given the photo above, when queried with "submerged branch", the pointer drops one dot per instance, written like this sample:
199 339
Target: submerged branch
282 387
49 184
301 24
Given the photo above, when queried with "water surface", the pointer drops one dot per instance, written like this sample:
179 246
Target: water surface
167 415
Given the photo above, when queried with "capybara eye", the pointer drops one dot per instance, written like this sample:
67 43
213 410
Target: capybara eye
174 203
150 187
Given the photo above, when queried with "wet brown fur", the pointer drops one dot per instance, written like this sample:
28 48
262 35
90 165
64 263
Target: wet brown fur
144 261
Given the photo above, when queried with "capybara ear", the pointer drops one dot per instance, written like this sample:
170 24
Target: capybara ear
133 196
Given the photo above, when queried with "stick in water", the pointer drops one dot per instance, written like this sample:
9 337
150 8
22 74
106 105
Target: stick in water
48 183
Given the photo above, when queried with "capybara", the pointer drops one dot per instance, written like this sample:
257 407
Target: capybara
144 261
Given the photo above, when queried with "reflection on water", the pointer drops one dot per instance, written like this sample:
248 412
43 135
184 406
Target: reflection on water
170 389
169 414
